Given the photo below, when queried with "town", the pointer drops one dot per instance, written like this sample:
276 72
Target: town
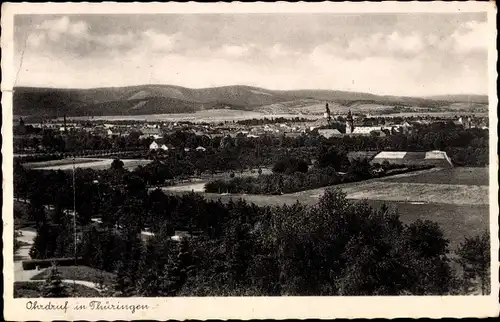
249 155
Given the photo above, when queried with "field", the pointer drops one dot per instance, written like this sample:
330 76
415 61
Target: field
96 164
456 176
81 273
209 116
420 193
450 114
52 163
32 290
457 199
199 184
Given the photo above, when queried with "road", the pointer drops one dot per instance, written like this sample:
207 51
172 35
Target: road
21 275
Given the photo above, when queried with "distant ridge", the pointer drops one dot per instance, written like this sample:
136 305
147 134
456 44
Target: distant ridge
165 99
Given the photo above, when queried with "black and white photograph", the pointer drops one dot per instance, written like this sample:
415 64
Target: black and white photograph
247 154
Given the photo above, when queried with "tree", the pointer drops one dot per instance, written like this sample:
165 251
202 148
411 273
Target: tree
122 285
54 286
117 164
17 243
474 257
331 156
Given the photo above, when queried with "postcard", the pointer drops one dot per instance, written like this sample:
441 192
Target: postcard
249 160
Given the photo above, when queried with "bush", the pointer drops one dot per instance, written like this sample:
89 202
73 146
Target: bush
278 183
32 290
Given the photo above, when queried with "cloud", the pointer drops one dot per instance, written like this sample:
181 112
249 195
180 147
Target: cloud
472 37
400 59
235 50
157 41
56 28
392 44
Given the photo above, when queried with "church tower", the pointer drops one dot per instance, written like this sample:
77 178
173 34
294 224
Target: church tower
327 113
349 123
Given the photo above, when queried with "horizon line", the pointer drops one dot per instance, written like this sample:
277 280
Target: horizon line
254 86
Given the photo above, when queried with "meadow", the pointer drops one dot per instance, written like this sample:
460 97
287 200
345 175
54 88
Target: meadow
458 176
214 115
96 164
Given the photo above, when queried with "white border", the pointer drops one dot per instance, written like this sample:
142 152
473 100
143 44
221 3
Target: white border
248 307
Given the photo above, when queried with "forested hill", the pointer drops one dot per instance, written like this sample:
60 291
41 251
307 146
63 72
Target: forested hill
165 99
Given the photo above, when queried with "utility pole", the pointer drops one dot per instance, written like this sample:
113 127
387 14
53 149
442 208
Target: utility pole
74 221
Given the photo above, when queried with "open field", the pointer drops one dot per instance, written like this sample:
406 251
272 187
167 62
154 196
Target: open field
437 114
52 163
457 199
96 164
81 273
459 176
456 221
198 185
465 186
313 112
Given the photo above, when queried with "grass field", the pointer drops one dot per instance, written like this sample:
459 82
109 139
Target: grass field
81 273
32 290
456 221
96 164
420 192
455 176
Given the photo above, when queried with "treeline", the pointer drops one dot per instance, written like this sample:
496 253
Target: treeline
333 248
293 175
466 147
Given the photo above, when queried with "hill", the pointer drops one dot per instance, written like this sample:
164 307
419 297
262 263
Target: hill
166 99
462 98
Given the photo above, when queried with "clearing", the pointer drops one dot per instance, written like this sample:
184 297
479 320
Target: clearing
455 176
96 164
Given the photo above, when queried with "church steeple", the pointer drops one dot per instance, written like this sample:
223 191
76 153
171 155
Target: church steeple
349 123
327 113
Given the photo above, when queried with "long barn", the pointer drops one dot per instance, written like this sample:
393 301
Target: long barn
436 158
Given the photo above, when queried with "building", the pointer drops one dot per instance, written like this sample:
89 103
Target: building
436 158
465 122
200 148
153 146
151 132
366 130
361 155
328 133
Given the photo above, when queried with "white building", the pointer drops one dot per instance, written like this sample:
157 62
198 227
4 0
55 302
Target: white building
328 133
153 146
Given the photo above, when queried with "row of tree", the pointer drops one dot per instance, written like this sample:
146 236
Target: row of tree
332 248
293 175
468 147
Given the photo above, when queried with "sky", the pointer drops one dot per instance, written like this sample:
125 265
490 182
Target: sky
389 54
